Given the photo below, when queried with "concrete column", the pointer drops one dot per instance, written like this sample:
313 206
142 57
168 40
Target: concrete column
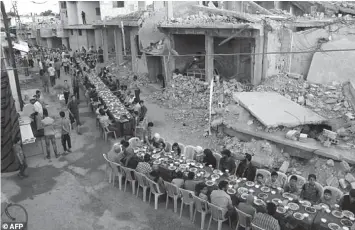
170 59
49 42
105 44
209 46
258 60
169 10
134 51
118 45
98 39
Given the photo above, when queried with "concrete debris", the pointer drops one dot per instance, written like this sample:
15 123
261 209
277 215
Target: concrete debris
343 183
203 18
332 181
345 166
353 185
330 163
349 178
284 166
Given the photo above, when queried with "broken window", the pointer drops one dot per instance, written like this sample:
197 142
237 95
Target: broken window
136 40
118 4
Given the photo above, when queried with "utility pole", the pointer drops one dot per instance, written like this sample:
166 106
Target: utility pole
12 56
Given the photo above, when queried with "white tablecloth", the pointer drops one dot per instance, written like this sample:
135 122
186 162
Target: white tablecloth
27 134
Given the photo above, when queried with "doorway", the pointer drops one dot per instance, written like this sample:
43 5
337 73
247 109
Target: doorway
155 67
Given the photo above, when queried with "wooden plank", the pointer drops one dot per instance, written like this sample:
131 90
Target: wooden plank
243 16
231 37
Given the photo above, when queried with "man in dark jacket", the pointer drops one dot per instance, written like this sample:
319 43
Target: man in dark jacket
246 168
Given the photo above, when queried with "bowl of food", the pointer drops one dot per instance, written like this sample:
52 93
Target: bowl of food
215 176
199 165
333 226
217 171
242 190
276 201
287 195
194 170
259 202
155 156
250 183
293 206
232 177
348 214
209 183
233 182
305 203
337 214
157 162
265 189
298 216
324 206
172 168
310 209
244 196
263 196
281 210
346 222
231 191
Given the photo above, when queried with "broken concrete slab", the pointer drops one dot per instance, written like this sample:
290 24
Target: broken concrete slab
327 67
273 109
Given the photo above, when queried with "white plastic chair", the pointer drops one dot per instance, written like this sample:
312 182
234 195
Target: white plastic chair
167 147
134 142
129 178
109 169
255 227
182 147
142 183
173 192
154 189
189 152
218 159
117 171
320 187
337 194
216 215
265 173
282 177
201 206
243 219
300 180
187 198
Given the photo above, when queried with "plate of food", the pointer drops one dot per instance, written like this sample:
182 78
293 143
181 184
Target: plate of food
244 196
250 183
172 168
188 161
209 183
298 216
232 177
276 201
217 171
324 206
346 222
293 206
265 189
287 195
317 207
193 170
259 202
231 191
155 156
242 190
333 226
199 165
305 203
232 182
337 214
215 176
157 162
281 210
184 166
263 196
310 209
348 214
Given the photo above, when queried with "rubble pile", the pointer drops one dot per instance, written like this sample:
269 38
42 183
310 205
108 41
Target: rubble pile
345 4
204 19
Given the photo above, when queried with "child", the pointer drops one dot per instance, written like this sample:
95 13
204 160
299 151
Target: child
327 198
260 179
178 181
17 148
274 182
203 193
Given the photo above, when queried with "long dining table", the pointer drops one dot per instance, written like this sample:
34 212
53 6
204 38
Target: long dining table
290 209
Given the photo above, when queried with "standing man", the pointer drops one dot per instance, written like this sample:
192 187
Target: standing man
51 72
66 91
83 16
49 134
45 81
57 66
30 59
134 87
65 62
73 107
41 69
66 128
75 83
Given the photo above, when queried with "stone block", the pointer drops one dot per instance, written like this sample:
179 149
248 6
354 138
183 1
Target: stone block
330 162
353 185
349 178
345 166
343 183
284 166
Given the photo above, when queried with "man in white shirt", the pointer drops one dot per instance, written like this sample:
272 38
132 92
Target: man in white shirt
222 199
37 106
51 72
49 134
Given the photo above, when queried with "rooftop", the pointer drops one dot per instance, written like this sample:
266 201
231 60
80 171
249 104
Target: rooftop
131 19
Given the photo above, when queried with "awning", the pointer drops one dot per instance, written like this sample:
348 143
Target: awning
22 46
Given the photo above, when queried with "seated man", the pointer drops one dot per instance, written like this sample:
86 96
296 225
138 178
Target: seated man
178 180
106 122
156 140
190 183
246 168
115 154
328 199
291 187
310 191
247 207
273 182
222 199
144 167
347 202
227 162
101 106
267 221
260 179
